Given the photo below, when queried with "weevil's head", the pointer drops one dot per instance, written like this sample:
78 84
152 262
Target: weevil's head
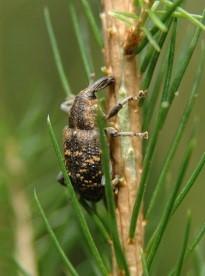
83 113
84 110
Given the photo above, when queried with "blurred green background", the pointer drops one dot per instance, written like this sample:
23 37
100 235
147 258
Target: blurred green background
30 89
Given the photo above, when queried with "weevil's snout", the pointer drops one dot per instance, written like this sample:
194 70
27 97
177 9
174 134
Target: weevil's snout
99 85
110 80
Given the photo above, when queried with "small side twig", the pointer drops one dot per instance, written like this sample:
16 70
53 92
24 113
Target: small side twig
134 34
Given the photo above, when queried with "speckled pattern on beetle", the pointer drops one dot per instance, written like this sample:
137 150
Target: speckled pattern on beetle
81 143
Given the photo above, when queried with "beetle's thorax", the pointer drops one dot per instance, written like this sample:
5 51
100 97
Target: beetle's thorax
83 112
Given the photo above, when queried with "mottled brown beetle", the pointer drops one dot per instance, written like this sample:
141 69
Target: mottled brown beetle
82 151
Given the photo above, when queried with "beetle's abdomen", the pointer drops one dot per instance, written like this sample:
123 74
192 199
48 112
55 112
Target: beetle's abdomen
83 161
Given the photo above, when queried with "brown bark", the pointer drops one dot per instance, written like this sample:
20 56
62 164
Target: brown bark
125 72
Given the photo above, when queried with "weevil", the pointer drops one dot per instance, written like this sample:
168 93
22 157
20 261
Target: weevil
82 151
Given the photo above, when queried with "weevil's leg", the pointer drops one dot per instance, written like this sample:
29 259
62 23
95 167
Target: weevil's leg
115 133
86 205
120 105
66 106
117 107
60 179
116 183
116 180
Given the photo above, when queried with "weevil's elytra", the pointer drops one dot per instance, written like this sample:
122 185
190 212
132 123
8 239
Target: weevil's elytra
83 160
82 151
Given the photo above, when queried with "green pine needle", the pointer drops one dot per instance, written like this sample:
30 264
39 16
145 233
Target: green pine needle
20 270
66 261
151 39
92 22
183 63
168 95
87 60
196 241
125 14
102 227
145 61
120 256
76 205
156 237
156 20
150 149
189 183
144 264
180 12
127 18
180 263
155 29
177 136
153 61
151 101
155 240
56 53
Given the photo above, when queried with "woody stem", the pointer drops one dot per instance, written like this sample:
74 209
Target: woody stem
126 153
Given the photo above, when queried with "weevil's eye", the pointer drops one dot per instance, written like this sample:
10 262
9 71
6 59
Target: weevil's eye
91 95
